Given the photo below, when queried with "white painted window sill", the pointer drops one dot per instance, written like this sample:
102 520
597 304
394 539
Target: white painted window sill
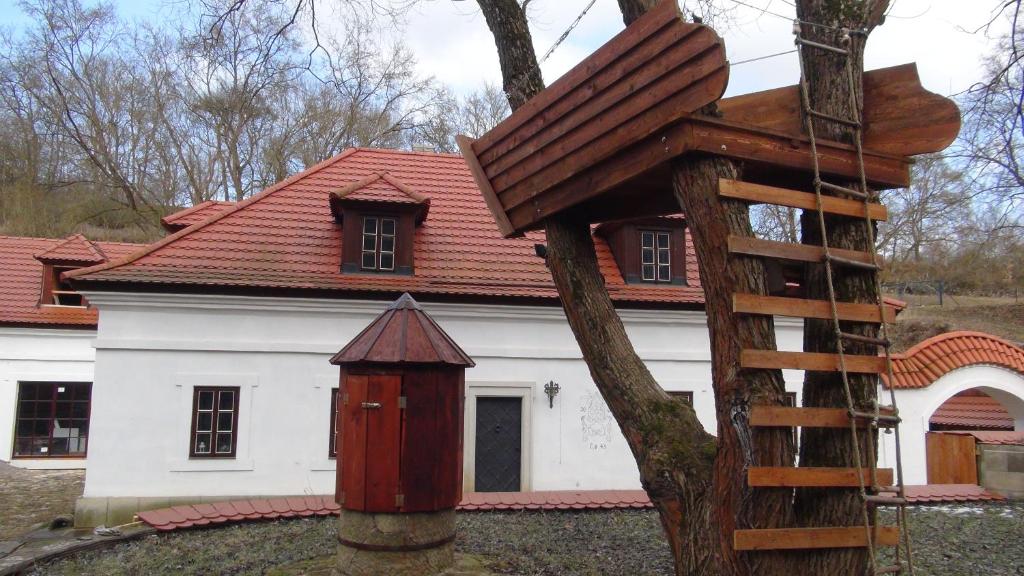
329 465
211 465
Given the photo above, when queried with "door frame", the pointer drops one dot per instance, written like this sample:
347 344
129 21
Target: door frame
474 390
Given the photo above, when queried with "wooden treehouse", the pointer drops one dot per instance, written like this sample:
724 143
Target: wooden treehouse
597 144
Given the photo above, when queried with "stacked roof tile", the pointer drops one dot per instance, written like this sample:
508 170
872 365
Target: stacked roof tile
998 437
937 356
286 238
967 412
21 277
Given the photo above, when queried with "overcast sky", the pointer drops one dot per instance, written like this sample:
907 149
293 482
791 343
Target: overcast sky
452 43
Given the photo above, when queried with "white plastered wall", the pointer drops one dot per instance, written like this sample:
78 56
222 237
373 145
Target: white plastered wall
916 407
39 355
153 348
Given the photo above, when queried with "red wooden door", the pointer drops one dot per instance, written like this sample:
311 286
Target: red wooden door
371 431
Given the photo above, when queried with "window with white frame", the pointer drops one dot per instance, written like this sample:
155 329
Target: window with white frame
214 422
655 256
378 251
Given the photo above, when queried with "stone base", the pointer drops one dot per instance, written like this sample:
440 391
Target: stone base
419 544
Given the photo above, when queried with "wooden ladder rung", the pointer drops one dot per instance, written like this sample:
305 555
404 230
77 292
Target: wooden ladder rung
793 199
803 308
840 261
817 361
791 417
868 339
793 477
808 538
750 246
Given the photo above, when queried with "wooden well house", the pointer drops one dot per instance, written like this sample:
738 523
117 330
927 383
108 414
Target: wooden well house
400 423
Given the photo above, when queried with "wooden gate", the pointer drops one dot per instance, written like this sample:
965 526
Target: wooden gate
951 459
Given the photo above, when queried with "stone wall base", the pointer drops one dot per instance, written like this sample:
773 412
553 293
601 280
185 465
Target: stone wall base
418 544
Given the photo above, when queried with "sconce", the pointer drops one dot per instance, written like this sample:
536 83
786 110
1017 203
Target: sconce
551 389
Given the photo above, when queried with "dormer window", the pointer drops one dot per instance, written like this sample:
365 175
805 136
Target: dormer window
655 256
378 217
379 244
57 292
648 250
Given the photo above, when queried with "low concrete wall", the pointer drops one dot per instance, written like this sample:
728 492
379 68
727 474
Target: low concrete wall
1001 469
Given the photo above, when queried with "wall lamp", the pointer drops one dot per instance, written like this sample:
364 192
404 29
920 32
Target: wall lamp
551 389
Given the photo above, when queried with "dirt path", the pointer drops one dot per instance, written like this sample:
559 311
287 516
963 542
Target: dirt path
28 497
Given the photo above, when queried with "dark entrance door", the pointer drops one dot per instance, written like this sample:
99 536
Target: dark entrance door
499 427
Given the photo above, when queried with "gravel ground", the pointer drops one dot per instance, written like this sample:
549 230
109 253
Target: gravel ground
29 497
948 541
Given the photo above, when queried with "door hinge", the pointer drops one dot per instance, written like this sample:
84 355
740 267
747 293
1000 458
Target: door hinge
371 405
399 500
401 402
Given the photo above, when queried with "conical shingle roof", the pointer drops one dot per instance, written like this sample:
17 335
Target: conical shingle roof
403 334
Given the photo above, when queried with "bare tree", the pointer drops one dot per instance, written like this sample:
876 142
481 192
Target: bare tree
471 115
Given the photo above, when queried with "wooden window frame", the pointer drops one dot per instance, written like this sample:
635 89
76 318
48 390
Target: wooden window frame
54 289
51 417
378 235
215 413
661 257
332 440
684 395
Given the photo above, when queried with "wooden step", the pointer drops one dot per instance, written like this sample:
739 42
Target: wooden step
790 417
803 308
794 199
808 538
818 361
750 246
791 477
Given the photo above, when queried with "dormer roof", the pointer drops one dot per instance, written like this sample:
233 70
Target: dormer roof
382 188
75 249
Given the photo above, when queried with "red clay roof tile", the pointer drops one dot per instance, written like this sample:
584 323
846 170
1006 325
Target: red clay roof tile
286 237
21 278
194 214
972 412
935 357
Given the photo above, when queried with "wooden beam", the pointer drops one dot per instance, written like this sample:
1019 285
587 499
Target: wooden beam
792 417
816 361
490 198
813 538
802 308
751 246
790 477
794 199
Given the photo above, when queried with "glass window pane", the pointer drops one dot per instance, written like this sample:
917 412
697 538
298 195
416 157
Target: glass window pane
369 225
663 256
64 392
647 240
387 261
224 443
224 421
662 240
227 400
206 400
41 427
202 444
387 244
24 428
369 260
664 273
63 410
204 421
369 242
647 256
80 410
648 272
387 226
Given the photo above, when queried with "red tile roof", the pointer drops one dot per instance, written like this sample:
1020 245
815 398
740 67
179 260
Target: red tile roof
175 517
967 412
928 361
285 237
194 215
21 278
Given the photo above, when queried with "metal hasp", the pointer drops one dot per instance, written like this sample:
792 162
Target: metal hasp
598 141
399 445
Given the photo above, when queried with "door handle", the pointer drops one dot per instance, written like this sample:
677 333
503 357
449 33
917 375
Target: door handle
371 405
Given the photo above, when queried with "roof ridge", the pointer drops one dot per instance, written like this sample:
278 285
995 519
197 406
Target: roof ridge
241 205
955 334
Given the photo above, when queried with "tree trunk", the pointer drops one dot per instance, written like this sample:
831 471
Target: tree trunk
830 92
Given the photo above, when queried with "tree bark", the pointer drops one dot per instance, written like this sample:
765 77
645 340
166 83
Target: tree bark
830 92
